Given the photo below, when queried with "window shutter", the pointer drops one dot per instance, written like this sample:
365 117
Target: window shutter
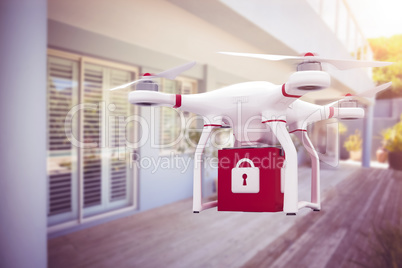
103 169
188 88
92 162
118 173
60 101
170 119
62 76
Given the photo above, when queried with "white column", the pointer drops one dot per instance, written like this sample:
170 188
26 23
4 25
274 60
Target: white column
367 136
23 36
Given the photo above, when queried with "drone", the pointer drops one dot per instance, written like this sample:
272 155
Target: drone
276 111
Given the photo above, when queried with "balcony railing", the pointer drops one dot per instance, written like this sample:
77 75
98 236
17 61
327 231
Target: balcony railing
340 19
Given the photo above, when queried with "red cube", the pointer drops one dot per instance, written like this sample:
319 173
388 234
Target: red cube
249 179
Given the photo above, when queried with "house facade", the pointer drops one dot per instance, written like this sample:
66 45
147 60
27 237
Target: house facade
103 156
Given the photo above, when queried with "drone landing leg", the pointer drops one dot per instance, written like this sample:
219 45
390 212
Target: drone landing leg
197 183
290 205
315 203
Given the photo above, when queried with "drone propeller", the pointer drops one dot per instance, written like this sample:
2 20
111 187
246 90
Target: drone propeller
310 57
372 92
169 74
367 94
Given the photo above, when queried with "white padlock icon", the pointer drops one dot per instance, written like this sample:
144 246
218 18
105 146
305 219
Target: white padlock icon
247 179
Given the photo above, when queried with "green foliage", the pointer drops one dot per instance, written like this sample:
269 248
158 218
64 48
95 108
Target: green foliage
342 128
66 164
189 142
388 49
354 142
392 137
219 138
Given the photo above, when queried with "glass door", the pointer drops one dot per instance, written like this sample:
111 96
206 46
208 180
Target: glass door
88 163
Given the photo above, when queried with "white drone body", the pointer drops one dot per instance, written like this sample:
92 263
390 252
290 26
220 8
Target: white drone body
261 113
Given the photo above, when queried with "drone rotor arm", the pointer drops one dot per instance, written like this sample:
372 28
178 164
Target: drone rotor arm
346 112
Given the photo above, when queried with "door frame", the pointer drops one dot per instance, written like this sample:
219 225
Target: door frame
134 173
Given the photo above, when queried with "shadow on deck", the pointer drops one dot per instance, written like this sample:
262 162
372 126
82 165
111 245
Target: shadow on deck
172 236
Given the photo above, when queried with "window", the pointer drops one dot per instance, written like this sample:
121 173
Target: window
62 156
172 120
88 162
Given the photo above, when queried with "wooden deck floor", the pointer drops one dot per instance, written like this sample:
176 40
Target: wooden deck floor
172 236
340 235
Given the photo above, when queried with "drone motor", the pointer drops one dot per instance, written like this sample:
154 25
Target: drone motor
148 85
299 82
309 65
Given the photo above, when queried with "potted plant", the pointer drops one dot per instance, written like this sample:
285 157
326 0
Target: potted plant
342 129
392 140
381 154
353 145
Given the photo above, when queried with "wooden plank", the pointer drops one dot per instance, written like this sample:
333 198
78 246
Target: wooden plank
172 236
266 257
369 197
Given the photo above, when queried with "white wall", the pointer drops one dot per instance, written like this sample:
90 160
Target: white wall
164 27
299 27
156 187
23 134
182 28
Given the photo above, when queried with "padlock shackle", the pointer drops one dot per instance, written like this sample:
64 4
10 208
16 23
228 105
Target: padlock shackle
245 160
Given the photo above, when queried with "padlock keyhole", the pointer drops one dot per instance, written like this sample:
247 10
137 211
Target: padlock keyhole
244 179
